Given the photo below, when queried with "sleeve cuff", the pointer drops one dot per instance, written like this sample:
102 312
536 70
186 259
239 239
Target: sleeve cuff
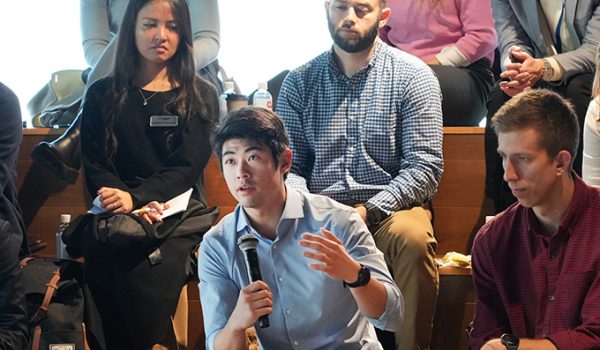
451 56
390 319
561 340
387 202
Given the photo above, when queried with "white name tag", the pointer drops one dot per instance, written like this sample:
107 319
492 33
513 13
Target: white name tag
62 347
168 121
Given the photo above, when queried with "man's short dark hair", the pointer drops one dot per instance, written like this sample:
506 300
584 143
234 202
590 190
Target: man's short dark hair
545 111
253 124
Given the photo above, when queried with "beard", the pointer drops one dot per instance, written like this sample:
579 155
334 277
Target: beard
353 45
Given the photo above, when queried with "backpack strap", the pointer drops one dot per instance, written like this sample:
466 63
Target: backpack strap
26 260
52 287
86 345
37 336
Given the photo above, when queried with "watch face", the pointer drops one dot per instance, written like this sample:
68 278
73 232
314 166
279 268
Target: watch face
509 340
548 71
364 276
374 216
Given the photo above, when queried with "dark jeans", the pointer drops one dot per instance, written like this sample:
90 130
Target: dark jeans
465 92
577 90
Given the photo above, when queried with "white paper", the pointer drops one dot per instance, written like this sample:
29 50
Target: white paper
176 205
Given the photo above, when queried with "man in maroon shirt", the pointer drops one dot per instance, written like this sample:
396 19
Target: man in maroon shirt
536 266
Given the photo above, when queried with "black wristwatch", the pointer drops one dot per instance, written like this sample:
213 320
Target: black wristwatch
374 215
511 342
364 276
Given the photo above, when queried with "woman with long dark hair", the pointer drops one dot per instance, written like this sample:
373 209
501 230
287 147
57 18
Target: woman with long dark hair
100 27
145 139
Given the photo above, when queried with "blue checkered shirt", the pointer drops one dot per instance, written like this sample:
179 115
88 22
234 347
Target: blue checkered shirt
375 137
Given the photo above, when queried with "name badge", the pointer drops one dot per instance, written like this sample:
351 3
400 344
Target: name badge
62 346
168 121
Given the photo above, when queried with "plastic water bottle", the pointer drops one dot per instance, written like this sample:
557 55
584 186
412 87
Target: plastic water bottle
61 247
262 97
229 90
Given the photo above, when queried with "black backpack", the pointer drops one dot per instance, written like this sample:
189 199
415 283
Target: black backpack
56 305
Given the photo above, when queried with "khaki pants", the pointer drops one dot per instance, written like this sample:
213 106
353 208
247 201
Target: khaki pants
407 242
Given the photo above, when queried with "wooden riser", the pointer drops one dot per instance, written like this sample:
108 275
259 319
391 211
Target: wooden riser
459 206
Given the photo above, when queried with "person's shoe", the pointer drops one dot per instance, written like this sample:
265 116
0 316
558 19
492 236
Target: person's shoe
61 156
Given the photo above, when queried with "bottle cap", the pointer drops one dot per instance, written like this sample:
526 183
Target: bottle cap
228 85
262 85
65 218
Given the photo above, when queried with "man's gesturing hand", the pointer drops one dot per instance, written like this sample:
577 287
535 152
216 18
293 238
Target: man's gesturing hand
332 256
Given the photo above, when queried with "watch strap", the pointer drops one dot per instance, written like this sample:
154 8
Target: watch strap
363 278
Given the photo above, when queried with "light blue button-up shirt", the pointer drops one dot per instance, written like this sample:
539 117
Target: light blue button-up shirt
310 310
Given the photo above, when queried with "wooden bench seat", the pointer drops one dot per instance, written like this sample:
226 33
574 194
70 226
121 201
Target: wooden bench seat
459 207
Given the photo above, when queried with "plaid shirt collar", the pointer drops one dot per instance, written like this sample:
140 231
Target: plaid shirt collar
334 64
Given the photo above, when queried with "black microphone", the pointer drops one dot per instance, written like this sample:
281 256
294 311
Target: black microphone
247 244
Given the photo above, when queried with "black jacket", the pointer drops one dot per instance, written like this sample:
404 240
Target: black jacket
13 319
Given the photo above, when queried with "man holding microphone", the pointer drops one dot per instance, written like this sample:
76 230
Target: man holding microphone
324 283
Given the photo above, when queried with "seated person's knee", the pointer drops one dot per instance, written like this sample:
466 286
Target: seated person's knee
411 236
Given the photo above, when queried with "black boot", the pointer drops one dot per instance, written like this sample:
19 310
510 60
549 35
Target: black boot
61 156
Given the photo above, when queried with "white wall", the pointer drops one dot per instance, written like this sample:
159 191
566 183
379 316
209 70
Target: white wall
38 38
259 38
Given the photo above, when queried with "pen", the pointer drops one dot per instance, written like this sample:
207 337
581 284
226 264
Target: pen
144 210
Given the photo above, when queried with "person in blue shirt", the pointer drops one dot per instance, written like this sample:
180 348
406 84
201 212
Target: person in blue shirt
365 127
324 283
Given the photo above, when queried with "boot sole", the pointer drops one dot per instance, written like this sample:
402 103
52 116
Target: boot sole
46 157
